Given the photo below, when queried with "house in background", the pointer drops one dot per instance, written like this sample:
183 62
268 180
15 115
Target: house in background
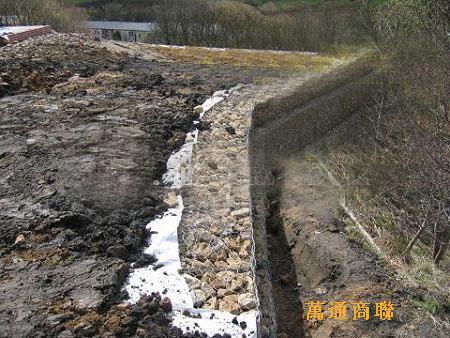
122 31
14 34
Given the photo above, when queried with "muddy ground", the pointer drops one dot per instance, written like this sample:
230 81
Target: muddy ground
85 135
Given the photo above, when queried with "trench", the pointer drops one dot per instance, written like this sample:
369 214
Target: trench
281 129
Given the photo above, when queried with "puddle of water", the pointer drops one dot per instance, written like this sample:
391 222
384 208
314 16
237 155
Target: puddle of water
164 246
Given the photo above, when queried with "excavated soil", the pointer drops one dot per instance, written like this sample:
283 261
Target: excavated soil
85 135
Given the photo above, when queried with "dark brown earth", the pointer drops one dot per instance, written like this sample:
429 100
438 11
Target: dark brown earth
85 131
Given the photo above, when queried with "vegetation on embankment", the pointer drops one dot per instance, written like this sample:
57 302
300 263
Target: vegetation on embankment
393 157
289 61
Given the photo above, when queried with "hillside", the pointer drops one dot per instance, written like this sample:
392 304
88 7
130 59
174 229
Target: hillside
143 10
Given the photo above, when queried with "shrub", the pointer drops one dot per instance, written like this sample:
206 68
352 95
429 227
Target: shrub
237 25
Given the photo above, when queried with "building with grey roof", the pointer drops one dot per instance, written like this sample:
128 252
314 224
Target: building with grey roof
122 31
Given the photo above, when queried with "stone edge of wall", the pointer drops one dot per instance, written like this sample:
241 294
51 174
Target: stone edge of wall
338 93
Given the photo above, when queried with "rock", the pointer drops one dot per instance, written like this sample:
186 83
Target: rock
192 282
321 290
224 292
112 324
198 297
208 277
214 187
229 304
122 306
140 332
212 164
218 253
246 248
218 283
236 264
20 239
166 305
171 200
56 319
226 276
247 301
208 290
240 213
152 307
118 251
212 304
248 284
236 284
202 251
198 268
198 109
222 265
66 334
232 243
189 138
86 299
145 260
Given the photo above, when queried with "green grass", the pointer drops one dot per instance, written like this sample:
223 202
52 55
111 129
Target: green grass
429 304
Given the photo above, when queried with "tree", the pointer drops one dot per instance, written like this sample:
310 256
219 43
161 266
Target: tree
61 17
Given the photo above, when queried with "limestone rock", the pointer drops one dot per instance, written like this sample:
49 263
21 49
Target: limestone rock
192 282
20 239
247 301
208 290
218 254
198 297
236 284
248 284
240 213
212 304
226 276
229 304
140 332
224 292
202 251
122 306
208 277
218 283
222 265
171 200
246 248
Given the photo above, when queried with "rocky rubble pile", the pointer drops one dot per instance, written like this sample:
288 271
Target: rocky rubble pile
216 228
